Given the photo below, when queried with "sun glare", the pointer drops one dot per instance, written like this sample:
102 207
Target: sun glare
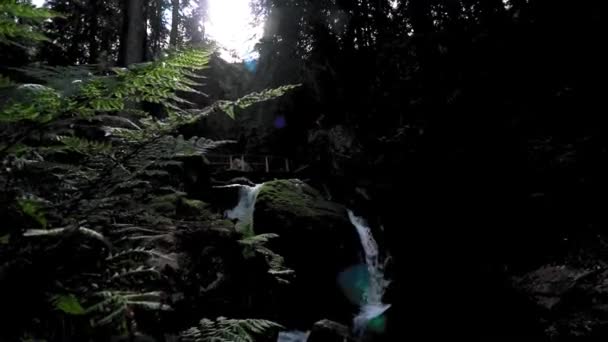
230 23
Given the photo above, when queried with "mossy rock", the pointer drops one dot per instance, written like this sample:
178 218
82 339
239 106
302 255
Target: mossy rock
316 239
294 199
177 204
192 208
166 204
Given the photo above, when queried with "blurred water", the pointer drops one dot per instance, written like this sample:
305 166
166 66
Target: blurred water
243 211
372 308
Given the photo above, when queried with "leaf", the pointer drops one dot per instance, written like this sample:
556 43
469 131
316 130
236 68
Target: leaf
259 239
229 330
59 231
33 209
229 107
5 82
4 240
68 304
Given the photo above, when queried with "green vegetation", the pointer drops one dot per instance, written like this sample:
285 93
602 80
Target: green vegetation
90 193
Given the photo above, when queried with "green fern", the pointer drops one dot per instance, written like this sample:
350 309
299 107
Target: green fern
5 82
68 304
92 181
229 107
256 244
17 22
33 103
34 209
115 305
229 330
85 146
61 231
67 80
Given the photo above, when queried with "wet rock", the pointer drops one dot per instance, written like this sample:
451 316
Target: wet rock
573 301
549 284
329 331
317 241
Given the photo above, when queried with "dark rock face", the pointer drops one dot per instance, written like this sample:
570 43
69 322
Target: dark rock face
573 302
317 241
329 331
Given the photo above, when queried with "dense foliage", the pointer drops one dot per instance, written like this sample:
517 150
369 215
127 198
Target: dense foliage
472 126
94 190
475 125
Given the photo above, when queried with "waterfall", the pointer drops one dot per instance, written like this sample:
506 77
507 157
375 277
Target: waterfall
371 307
243 211
293 336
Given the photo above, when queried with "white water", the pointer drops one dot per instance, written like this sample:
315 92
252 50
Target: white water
372 305
293 336
243 211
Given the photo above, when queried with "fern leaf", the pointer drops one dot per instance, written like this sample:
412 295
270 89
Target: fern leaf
33 209
257 239
68 304
60 231
229 330
246 101
110 317
85 146
136 252
139 271
149 305
5 82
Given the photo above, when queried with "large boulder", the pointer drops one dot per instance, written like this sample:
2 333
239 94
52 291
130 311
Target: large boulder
316 239
330 331
572 302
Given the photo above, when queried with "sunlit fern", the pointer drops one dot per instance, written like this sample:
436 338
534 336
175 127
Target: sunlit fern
229 330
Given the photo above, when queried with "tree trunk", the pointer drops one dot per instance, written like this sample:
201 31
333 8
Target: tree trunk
133 44
419 12
93 32
174 23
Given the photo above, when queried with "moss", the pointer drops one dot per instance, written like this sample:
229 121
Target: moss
178 204
166 204
192 207
290 196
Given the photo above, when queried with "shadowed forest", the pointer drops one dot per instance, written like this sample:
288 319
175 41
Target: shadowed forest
375 170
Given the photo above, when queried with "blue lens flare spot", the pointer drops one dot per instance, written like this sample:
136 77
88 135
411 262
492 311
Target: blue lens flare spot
280 122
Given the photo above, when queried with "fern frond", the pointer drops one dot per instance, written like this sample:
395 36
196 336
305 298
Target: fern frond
150 305
60 231
257 239
85 146
5 82
33 102
107 319
229 330
140 251
33 208
229 107
66 80
16 22
146 296
139 271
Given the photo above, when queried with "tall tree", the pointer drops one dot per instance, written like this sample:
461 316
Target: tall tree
158 27
175 19
133 43
194 25
87 32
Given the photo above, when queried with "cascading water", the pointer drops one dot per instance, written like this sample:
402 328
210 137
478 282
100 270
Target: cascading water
371 307
243 211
